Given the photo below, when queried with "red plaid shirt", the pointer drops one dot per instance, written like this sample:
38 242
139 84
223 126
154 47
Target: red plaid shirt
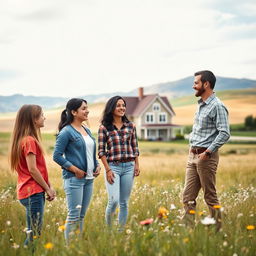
121 144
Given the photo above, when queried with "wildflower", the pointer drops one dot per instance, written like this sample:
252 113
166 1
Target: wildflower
250 227
146 222
185 240
61 228
225 243
239 215
8 223
48 246
77 231
166 229
172 207
162 212
15 246
208 221
200 213
128 231
78 206
192 211
217 206
35 237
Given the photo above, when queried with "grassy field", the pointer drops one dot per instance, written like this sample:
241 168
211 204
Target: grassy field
160 185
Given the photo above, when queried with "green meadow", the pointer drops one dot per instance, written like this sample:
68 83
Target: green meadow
156 195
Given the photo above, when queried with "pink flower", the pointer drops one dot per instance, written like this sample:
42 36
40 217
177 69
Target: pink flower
146 222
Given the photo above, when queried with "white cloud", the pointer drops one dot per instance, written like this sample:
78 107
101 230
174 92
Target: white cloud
75 48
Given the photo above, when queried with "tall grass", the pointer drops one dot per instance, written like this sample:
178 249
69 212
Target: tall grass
159 185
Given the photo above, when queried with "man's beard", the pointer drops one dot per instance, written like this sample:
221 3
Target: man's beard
200 92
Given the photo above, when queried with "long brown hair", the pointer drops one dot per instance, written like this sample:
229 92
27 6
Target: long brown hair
24 126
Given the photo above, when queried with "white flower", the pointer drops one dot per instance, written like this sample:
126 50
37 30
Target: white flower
208 221
128 231
8 223
225 243
172 207
235 254
78 206
15 246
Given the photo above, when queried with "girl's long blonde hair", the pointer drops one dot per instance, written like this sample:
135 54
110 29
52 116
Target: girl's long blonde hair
24 126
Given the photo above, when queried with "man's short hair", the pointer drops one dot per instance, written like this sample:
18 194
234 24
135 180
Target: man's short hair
207 76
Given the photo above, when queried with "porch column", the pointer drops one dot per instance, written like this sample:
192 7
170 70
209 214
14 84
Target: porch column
168 134
157 133
146 134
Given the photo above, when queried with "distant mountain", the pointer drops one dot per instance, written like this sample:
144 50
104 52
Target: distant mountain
14 102
176 89
183 87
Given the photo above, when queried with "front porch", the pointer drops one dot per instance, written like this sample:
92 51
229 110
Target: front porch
157 132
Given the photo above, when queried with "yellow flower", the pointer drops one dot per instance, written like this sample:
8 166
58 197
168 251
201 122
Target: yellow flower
35 237
162 212
217 206
61 228
192 211
250 227
77 231
200 213
185 240
48 246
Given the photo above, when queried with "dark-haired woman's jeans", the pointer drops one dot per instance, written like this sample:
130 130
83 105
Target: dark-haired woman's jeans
34 212
78 196
119 192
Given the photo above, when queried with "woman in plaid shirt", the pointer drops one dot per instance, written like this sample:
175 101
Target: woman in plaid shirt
118 151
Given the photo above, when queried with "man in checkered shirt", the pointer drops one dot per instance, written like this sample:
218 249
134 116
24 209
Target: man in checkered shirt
210 131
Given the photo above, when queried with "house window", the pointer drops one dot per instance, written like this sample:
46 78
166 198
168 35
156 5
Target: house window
162 118
156 106
149 118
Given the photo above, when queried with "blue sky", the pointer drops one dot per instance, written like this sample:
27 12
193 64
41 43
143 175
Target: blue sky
72 48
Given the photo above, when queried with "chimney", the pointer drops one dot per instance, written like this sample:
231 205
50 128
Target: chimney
141 93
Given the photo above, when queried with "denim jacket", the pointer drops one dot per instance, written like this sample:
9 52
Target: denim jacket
70 149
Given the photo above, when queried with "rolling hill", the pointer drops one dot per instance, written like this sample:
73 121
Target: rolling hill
173 90
240 104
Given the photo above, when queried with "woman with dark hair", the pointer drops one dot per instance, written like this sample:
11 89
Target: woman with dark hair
118 151
27 158
75 152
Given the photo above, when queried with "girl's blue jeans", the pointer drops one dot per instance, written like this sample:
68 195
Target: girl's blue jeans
119 192
34 213
78 195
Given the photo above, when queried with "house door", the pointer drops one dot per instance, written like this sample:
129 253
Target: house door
151 134
163 134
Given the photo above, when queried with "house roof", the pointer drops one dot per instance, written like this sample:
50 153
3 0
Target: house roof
135 106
